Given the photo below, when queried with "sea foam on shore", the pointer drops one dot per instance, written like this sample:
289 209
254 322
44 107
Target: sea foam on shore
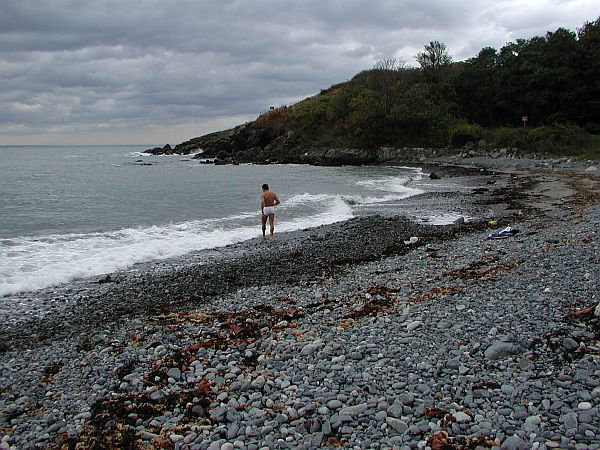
32 262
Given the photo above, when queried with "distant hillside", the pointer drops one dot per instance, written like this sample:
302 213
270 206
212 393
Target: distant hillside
552 80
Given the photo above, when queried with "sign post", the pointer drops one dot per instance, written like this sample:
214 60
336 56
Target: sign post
524 119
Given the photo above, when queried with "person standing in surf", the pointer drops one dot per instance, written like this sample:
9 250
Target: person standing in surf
268 201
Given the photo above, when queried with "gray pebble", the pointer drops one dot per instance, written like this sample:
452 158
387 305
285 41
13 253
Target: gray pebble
334 404
174 373
570 344
514 443
399 425
502 349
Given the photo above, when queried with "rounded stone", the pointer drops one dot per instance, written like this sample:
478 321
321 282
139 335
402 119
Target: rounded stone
399 425
174 373
461 417
570 344
514 443
334 404
414 325
176 437
406 398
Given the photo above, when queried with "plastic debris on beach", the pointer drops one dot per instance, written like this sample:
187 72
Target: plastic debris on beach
412 241
503 234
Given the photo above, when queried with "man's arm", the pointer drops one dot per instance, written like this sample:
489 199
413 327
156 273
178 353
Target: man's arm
262 203
277 202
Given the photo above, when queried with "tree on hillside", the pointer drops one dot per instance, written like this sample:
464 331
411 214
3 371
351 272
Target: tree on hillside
588 93
392 64
434 57
476 87
538 77
561 60
387 81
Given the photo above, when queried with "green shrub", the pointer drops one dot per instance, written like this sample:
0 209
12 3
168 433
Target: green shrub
518 138
311 112
547 140
462 133
558 138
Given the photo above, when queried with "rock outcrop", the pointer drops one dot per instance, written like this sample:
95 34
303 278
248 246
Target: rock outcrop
227 143
166 150
253 143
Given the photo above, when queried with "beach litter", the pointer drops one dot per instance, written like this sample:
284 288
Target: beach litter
503 234
412 241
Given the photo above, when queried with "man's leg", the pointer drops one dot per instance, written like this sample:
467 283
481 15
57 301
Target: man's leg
272 224
264 224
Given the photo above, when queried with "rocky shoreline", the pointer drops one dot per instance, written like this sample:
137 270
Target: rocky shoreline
250 144
219 154
341 335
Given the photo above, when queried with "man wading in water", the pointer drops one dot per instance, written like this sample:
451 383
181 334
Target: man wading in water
268 200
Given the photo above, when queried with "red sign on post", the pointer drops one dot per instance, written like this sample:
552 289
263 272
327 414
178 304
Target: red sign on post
525 118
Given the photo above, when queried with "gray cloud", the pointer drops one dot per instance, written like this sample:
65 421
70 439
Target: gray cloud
126 68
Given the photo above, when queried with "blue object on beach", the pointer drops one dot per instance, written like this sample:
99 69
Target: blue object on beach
500 235
503 234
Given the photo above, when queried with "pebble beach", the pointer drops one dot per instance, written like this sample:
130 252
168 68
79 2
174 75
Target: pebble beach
347 335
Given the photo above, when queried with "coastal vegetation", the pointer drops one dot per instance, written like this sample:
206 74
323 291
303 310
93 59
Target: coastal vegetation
551 81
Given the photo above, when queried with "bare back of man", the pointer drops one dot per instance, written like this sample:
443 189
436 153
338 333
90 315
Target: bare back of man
268 201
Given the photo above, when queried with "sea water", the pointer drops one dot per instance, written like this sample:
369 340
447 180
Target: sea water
69 212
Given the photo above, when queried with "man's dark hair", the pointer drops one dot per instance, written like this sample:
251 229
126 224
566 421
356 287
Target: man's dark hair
265 187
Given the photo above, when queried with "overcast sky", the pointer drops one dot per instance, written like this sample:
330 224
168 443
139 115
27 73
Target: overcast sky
163 71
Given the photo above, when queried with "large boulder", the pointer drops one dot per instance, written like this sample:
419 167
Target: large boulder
166 150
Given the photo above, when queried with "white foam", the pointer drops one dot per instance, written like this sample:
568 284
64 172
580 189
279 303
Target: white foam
28 263
414 169
306 198
395 187
389 184
365 201
337 212
144 154
34 264
137 154
147 155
